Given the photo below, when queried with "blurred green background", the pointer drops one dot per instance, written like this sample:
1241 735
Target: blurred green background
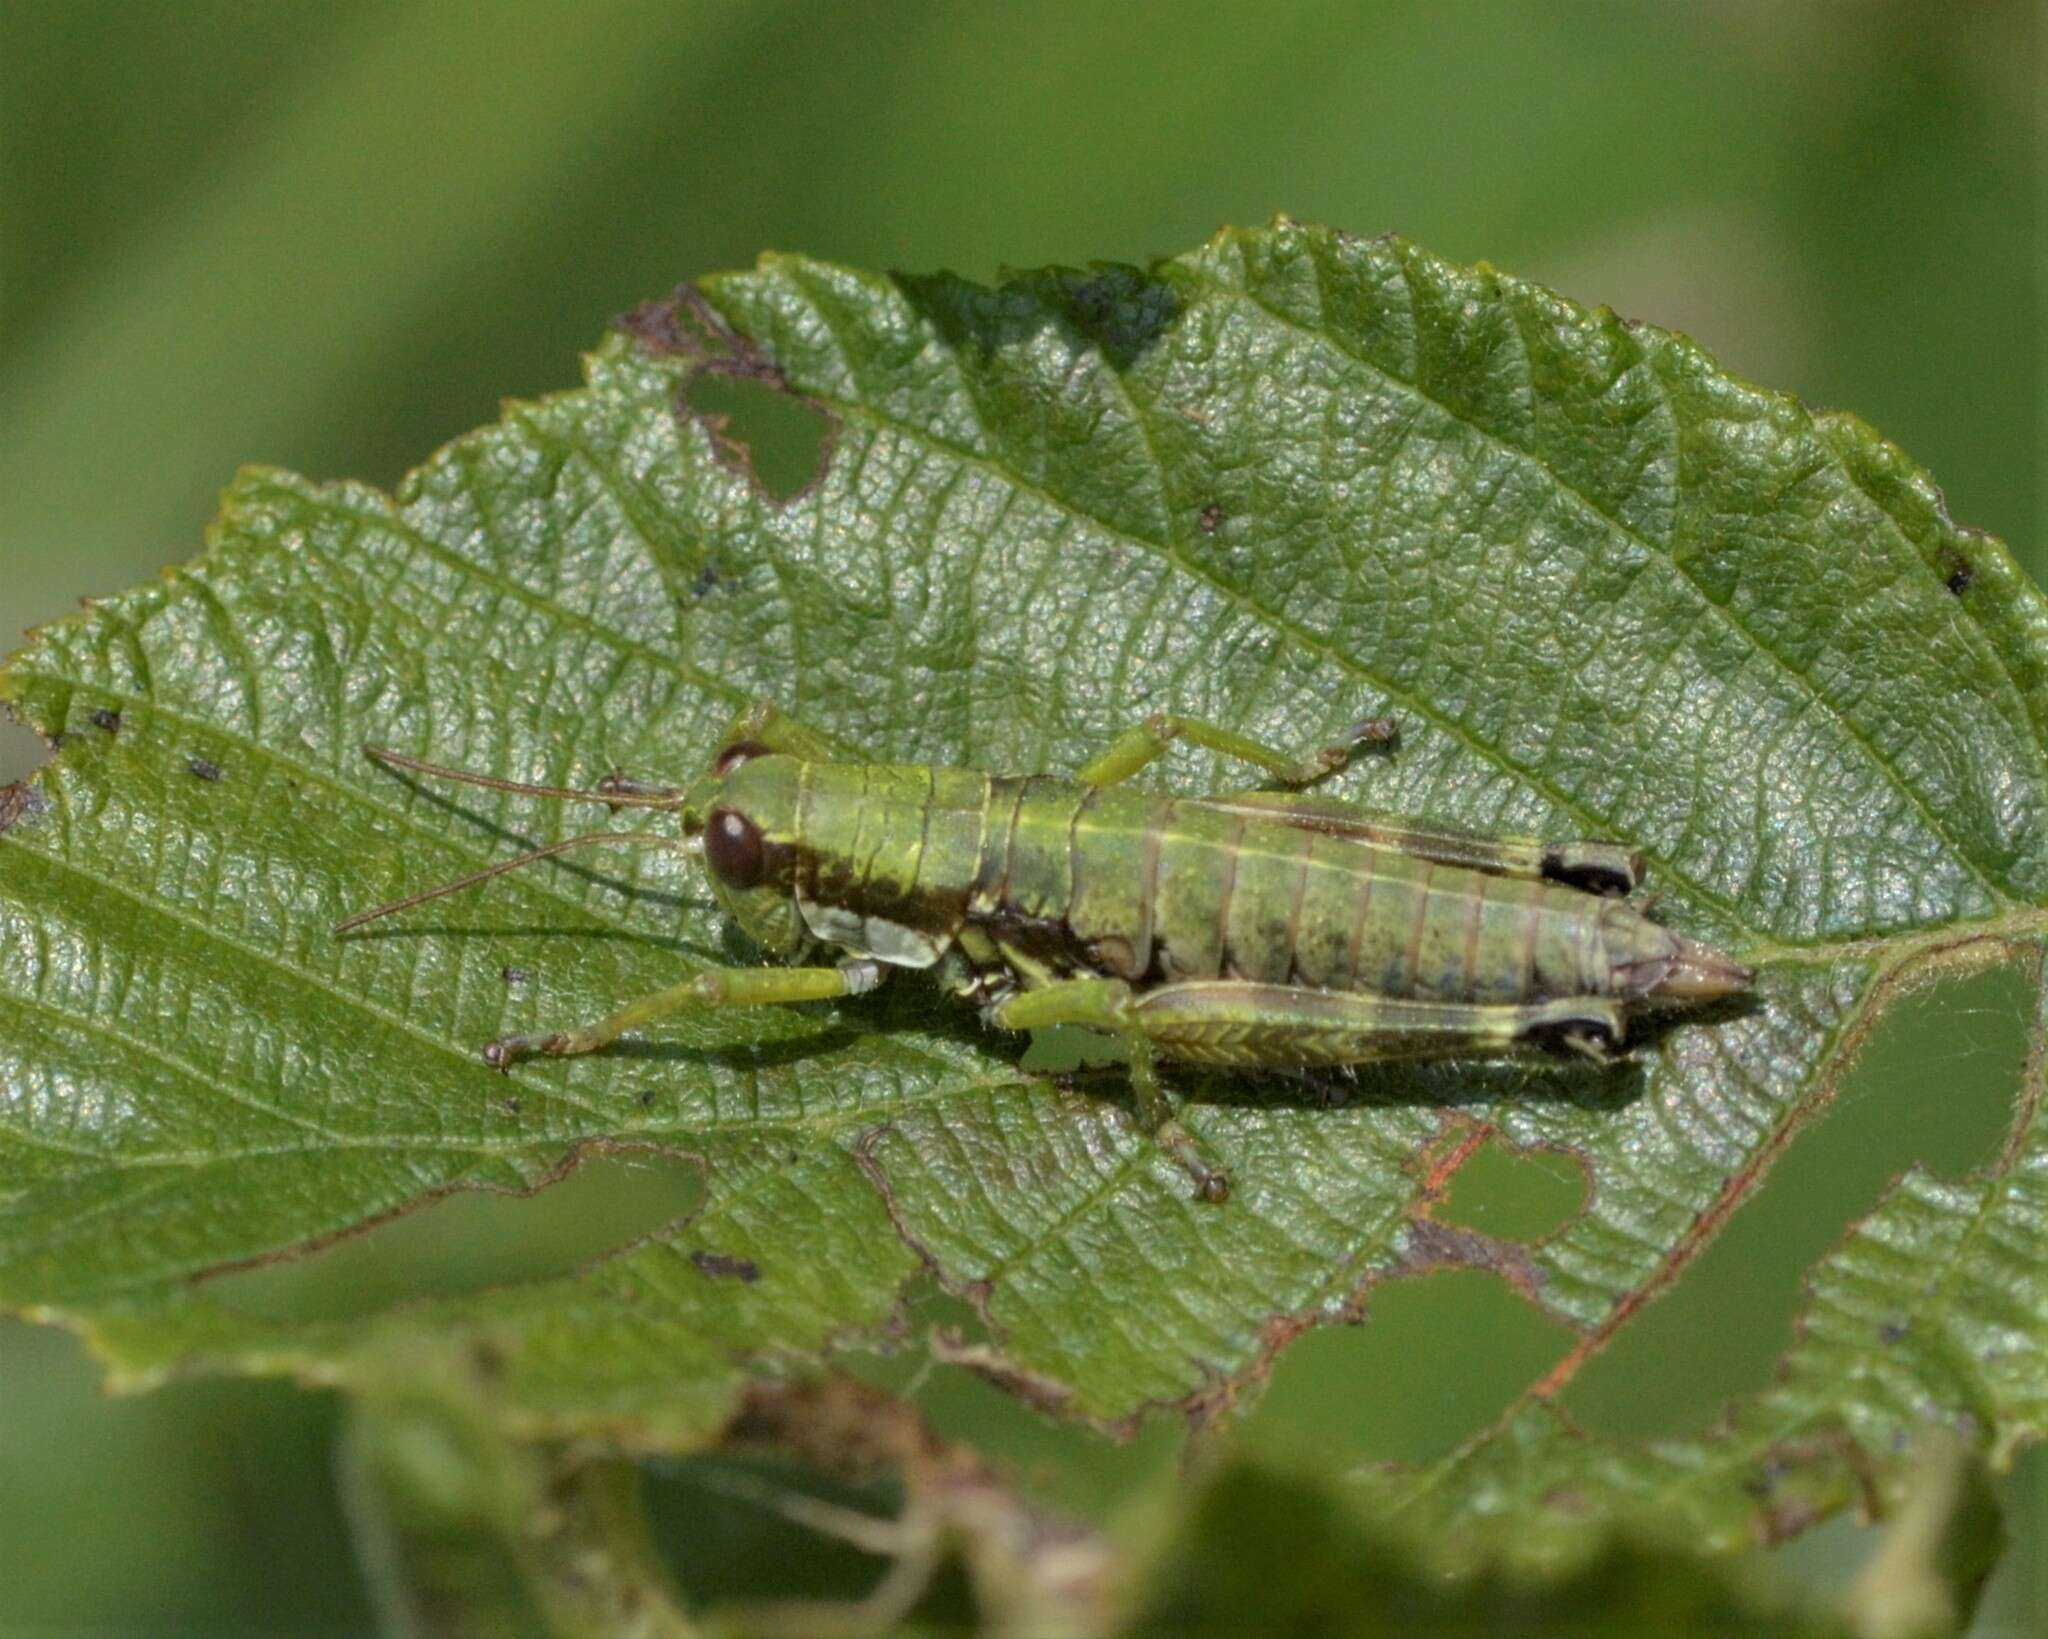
333 235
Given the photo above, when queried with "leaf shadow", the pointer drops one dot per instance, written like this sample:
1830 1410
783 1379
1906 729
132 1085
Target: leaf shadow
1450 1084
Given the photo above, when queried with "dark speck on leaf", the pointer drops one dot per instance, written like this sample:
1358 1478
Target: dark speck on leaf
724 1266
647 1099
706 581
108 720
1892 1331
1211 519
511 1106
515 976
201 769
1961 575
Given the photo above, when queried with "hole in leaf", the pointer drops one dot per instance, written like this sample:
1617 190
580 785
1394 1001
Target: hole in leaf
1068 1464
1935 1086
21 751
1514 1195
774 435
1436 1358
471 1239
1064 1048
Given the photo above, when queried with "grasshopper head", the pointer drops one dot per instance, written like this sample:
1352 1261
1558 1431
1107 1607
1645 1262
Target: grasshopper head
745 812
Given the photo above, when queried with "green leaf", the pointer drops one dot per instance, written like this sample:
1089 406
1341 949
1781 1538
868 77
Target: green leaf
463 1531
1288 479
1345 1575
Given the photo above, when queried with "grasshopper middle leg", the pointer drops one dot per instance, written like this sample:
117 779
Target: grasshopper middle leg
1110 1005
1146 742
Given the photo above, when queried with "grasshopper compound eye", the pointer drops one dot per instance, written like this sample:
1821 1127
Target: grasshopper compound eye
733 848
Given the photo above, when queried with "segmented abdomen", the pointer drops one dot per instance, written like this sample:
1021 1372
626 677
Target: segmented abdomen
1057 879
1157 888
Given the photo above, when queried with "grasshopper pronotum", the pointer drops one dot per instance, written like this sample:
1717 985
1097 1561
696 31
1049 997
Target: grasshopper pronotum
1258 928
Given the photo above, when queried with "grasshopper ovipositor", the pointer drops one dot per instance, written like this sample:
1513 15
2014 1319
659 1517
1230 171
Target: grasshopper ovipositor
1256 928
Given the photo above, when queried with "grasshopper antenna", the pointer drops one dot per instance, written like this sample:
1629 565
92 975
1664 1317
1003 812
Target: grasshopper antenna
611 791
590 839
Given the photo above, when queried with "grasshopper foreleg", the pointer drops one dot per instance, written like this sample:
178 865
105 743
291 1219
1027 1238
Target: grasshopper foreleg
713 988
1146 742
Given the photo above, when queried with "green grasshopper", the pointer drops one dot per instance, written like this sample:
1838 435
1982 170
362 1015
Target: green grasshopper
1257 928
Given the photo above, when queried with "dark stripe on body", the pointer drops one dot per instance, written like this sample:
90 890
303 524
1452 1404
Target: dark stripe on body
1475 921
1372 874
1411 977
1226 963
1308 854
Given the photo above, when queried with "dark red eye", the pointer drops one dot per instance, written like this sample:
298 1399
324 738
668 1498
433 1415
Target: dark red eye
733 848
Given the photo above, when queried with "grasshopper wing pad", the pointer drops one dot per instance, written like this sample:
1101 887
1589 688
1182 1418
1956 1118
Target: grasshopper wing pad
1596 867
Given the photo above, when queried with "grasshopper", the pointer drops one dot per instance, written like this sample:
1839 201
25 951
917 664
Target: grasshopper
1256 928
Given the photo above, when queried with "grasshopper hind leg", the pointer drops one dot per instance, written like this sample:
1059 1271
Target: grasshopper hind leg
1238 1022
1235 1022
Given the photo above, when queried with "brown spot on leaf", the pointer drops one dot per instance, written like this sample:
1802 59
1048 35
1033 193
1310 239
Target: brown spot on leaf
664 327
1211 518
725 1266
687 326
1431 1245
18 803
